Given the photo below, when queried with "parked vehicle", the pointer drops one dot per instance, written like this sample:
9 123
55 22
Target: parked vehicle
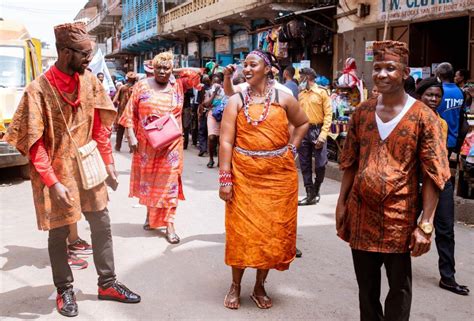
20 63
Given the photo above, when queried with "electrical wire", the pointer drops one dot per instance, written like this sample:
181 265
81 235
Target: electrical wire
35 10
348 8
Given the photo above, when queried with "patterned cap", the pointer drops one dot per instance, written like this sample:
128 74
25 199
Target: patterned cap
72 35
390 50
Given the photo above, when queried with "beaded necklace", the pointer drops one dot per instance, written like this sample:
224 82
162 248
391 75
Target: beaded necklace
248 100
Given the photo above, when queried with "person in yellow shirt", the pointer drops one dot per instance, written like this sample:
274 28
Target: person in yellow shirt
316 103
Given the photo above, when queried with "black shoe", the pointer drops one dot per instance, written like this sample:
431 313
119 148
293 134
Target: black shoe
201 154
454 287
310 198
298 253
118 292
66 303
210 164
317 187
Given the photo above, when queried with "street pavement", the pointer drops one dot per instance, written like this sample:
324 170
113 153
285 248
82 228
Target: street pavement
188 281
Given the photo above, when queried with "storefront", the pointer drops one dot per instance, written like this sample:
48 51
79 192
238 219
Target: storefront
436 31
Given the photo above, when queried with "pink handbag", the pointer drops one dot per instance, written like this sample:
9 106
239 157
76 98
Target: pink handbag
162 131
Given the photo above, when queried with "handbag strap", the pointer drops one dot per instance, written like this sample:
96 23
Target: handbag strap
61 110
173 93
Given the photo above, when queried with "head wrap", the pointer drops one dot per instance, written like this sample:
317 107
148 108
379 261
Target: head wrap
349 65
390 50
148 66
349 76
428 83
261 55
72 35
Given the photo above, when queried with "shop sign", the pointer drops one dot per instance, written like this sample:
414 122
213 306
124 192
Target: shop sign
369 51
305 64
413 9
207 49
241 40
223 44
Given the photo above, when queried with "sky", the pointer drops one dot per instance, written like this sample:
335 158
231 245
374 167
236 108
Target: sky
40 16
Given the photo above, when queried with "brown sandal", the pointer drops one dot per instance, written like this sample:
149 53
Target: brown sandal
264 298
228 300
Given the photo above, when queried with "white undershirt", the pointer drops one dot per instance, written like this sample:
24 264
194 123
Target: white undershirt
386 128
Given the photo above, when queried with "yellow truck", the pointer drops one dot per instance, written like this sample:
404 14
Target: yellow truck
20 63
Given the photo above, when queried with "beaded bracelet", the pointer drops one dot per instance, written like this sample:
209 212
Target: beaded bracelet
225 178
293 149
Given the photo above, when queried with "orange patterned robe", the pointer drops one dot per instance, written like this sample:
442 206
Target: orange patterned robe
261 218
382 206
38 116
156 173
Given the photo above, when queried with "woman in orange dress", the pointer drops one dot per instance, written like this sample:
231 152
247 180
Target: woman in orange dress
258 177
156 173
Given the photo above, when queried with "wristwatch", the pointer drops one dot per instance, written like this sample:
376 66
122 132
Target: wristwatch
426 227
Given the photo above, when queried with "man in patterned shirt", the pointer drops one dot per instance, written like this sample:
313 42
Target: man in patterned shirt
121 99
391 140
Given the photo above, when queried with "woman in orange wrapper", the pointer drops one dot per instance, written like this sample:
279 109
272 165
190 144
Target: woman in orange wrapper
156 173
258 177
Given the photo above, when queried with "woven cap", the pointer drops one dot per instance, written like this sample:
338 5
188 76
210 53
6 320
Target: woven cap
72 35
390 50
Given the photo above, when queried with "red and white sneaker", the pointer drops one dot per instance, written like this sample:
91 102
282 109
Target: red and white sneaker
76 263
118 292
80 247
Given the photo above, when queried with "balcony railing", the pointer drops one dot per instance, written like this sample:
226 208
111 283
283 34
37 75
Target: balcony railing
185 9
99 18
141 31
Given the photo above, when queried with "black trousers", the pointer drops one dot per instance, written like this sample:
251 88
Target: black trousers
194 124
444 233
186 121
305 154
367 266
119 137
101 237
202 133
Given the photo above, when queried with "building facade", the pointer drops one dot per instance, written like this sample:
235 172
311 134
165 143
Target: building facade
225 30
435 31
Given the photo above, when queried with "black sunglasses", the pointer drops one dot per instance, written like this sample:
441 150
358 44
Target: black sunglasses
85 54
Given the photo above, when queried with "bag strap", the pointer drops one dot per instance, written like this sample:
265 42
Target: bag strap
61 110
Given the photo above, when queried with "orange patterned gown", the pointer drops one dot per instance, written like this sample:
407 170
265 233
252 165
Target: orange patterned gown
261 218
156 173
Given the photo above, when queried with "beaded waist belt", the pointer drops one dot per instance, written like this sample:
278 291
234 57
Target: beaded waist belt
262 153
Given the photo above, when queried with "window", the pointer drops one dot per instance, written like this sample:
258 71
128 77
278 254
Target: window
12 67
170 4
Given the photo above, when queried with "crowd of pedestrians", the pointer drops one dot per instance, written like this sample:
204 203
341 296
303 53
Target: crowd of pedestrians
396 187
